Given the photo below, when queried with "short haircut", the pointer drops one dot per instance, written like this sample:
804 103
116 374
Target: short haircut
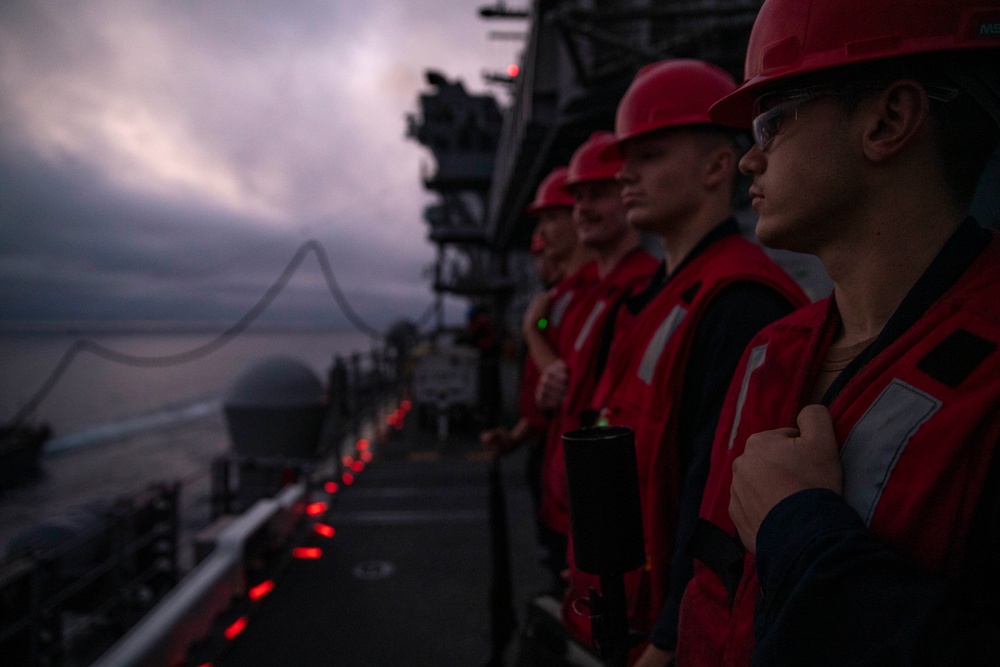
965 134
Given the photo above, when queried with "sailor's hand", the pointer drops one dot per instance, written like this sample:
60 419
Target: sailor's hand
654 657
552 385
537 310
776 464
498 441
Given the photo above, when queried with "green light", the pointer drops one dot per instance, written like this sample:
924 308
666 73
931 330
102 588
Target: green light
603 421
543 323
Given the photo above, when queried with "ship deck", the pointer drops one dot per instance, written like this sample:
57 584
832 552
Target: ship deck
416 571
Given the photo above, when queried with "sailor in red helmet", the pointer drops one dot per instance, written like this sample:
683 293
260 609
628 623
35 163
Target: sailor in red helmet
532 424
852 512
572 272
569 360
677 342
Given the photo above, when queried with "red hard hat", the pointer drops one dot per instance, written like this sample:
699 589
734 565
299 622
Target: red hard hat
792 37
592 161
671 93
552 192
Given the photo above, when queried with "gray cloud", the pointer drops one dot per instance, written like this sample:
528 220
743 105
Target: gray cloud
164 160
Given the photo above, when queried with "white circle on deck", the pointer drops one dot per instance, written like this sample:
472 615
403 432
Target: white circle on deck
373 569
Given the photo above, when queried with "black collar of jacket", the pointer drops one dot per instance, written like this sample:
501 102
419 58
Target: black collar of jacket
659 279
954 259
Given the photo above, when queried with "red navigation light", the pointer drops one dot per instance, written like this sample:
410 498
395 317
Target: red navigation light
331 487
309 553
324 530
512 70
236 628
358 466
260 590
362 445
366 456
315 509
347 478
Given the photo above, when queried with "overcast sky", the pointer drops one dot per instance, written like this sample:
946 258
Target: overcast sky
163 160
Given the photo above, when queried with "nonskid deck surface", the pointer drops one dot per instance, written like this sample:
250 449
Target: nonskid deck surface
407 576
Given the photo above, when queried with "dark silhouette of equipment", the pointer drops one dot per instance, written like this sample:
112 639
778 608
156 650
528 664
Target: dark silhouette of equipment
606 525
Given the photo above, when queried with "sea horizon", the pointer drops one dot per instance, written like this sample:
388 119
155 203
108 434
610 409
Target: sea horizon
97 396
77 327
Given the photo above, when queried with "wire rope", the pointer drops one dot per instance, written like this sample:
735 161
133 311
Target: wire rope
240 326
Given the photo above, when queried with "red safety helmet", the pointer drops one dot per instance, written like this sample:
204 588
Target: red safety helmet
792 37
592 161
552 192
671 93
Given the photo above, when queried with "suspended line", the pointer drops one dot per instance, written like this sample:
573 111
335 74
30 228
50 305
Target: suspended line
211 346
426 315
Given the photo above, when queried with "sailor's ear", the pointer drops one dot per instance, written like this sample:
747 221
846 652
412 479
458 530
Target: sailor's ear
720 164
892 119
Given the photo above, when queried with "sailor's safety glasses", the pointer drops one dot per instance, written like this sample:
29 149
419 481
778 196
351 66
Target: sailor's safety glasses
768 124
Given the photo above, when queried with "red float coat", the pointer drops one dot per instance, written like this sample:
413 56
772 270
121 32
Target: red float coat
918 425
577 345
565 298
641 388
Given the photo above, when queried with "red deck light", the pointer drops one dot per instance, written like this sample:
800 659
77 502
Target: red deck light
324 530
347 460
315 509
358 466
331 487
347 478
513 70
366 456
260 590
236 628
307 553
363 445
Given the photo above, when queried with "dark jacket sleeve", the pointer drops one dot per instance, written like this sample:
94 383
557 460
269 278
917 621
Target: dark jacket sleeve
733 318
834 595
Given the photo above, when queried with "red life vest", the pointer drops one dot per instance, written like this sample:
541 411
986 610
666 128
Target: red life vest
566 297
918 425
577 345
641 388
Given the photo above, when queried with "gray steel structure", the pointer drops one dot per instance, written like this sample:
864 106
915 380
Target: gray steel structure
578 59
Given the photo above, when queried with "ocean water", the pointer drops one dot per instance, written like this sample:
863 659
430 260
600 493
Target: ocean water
118 429
103 398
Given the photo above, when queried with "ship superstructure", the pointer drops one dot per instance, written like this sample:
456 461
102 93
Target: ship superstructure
578 58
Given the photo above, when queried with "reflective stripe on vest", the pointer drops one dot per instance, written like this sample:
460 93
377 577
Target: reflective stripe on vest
589 324
755 361
560 306
877 441
659 341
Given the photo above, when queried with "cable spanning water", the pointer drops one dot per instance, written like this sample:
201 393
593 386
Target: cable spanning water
213 345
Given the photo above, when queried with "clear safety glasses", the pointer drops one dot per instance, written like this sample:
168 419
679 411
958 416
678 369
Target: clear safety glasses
768 124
